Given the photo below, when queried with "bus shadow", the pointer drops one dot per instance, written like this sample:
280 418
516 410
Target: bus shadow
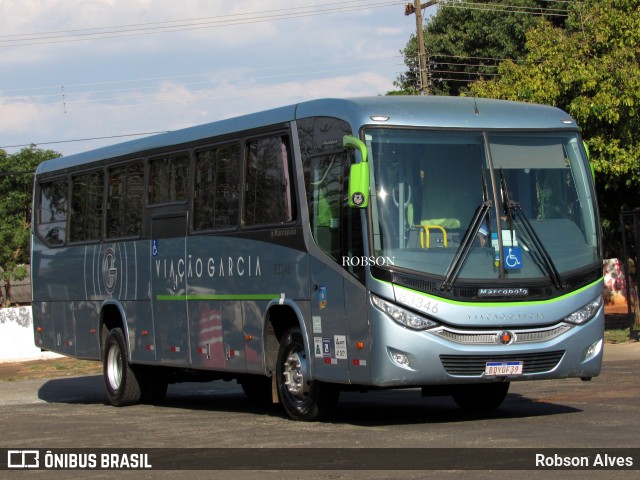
376 408
409 407
74 390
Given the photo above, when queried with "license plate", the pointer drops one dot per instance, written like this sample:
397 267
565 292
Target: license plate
503 368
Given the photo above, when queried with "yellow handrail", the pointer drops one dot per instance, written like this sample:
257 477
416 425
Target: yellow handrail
428 235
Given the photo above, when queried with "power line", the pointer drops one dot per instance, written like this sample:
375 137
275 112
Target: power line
146 24
68 87
498 7
182 25
85 139
94 103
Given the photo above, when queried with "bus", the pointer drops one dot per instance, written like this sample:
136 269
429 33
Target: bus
449 245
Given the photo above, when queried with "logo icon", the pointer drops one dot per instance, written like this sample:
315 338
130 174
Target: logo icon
358 198
505 337
23 458
513 259
109 270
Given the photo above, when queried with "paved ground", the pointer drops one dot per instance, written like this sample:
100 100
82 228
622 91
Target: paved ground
70 412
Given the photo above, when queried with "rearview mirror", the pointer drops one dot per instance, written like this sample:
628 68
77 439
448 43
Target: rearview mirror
358 174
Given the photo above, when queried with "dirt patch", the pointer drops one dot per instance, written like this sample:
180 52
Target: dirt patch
59 367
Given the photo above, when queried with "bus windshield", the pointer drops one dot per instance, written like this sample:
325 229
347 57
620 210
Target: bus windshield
482 205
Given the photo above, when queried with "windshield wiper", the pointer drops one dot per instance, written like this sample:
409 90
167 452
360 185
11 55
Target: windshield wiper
513 210
467 241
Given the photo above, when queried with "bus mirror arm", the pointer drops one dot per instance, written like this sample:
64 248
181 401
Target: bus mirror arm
358 174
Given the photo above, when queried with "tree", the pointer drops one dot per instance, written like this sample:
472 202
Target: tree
467 39
16 184
591 69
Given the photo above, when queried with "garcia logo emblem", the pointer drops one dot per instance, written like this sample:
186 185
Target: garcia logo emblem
109 270
358 198
506 337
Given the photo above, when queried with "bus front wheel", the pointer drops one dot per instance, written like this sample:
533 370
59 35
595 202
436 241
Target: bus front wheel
122 384
302 398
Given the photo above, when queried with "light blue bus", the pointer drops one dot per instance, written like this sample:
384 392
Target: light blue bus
450 245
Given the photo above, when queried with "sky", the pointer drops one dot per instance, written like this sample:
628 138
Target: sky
88 69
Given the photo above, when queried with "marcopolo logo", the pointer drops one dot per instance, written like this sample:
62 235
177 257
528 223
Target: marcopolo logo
503 292
368 261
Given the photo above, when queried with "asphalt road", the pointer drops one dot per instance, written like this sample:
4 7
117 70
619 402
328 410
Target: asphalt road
553 415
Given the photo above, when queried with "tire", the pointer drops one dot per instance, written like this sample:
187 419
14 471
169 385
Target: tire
122 382
303 399
482 397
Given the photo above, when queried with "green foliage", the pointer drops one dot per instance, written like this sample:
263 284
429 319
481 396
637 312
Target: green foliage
466 40
591 69
16 183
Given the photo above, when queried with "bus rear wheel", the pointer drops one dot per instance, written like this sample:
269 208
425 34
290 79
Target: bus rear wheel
122 382
302 398
482 397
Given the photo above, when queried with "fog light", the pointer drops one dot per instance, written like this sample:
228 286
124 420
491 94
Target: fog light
399 358
593 350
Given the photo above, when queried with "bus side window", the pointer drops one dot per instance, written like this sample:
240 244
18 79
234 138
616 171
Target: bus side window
86 206
217 188
124 200
52 212
268 189
168 179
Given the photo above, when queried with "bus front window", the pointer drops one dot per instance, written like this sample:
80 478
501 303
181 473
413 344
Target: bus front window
434 205
427 188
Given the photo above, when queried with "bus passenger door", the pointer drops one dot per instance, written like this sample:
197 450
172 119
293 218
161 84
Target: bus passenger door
168 288
329 330
337 274
328 321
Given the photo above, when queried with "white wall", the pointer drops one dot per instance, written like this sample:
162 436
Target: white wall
16 336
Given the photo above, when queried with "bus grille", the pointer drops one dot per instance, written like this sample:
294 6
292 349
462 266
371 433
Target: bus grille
479 337
474 365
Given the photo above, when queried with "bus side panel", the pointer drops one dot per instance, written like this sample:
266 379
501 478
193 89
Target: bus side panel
253 314
117 273
54 327
358 330
217 338
53 276
329 330
141 332
230 283
87 315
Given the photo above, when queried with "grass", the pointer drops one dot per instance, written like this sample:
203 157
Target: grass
62 367
617 335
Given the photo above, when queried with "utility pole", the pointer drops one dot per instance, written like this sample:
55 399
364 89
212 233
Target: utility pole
417 8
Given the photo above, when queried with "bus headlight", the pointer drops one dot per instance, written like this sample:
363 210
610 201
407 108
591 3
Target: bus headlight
586 313
402 316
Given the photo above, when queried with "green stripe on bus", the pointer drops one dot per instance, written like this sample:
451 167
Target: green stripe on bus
493 304
257 296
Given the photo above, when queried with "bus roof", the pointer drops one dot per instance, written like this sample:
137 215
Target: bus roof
430 111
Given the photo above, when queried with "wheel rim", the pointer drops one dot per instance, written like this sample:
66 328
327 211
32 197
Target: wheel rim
114 367
296 375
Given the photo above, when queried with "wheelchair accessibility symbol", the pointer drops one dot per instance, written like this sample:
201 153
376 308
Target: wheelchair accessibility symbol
512 258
